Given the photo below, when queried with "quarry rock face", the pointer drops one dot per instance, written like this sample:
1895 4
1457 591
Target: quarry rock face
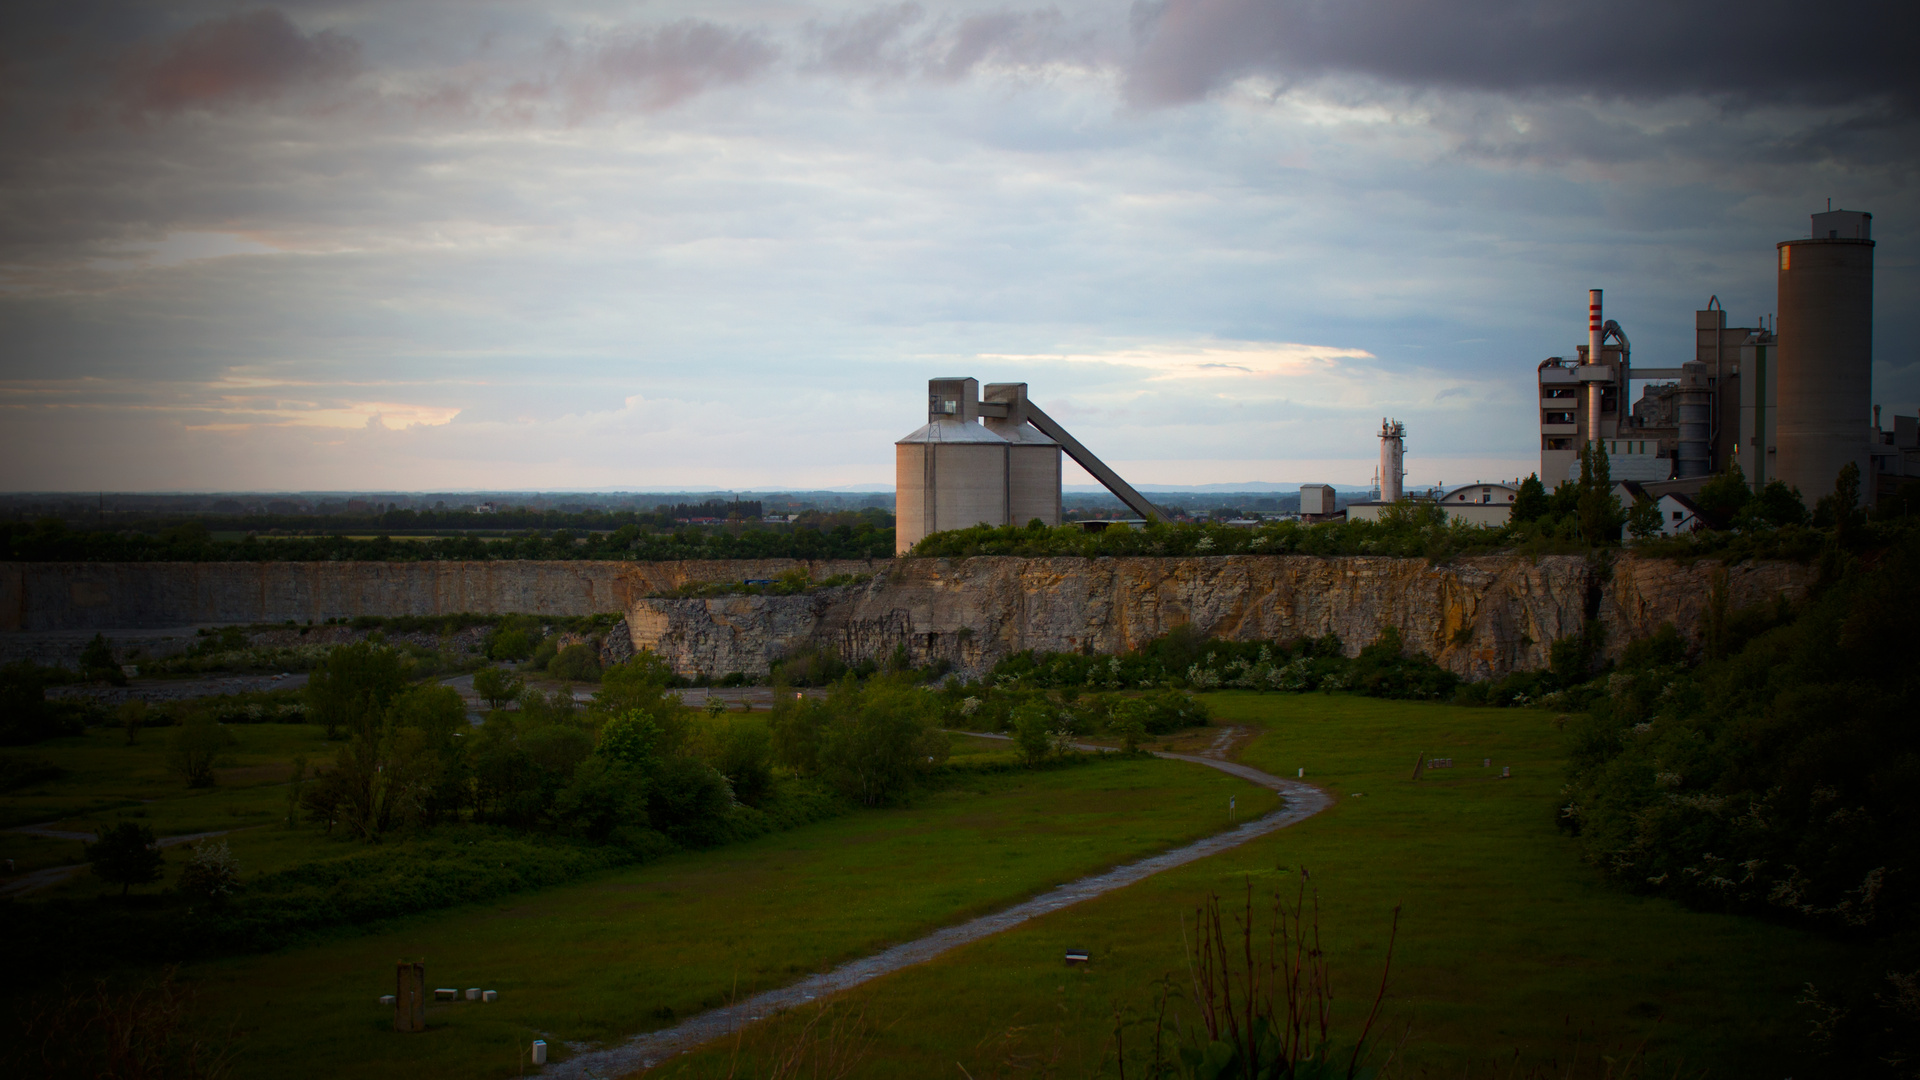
92 596
1480 617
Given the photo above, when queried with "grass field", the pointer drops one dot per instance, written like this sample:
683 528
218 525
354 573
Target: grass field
107 782
1510 948
624 951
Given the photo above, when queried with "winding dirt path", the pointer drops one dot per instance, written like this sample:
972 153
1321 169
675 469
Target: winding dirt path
1302 801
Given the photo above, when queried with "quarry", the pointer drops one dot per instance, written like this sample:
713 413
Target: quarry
1478 616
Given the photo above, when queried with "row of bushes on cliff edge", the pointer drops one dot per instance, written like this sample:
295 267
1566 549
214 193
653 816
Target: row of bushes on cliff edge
51 540
1577 516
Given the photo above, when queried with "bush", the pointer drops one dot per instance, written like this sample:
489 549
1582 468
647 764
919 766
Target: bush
876 741
212 874
1779 780
743 753
196 748
497 686
26 716
579 662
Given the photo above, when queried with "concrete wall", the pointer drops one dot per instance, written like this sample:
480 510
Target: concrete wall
101 596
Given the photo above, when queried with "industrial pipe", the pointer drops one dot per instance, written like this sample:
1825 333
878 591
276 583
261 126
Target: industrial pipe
1595 332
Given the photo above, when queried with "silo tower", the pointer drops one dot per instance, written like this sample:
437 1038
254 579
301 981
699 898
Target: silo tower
1033 470
1393 453
1825 354
952 473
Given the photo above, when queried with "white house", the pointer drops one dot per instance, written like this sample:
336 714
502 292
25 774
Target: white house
1678 513
1481 504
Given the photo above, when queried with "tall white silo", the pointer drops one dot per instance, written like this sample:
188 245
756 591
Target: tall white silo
952 473
1033 470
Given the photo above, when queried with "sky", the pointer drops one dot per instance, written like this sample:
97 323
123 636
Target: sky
466 245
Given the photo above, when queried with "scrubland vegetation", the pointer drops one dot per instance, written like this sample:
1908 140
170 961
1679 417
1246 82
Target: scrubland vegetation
864 536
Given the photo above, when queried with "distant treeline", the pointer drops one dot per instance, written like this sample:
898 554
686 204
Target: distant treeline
864 535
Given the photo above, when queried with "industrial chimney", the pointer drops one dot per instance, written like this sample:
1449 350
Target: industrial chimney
1393 453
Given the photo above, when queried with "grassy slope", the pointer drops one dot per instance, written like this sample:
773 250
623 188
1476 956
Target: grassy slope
603 958
1508 942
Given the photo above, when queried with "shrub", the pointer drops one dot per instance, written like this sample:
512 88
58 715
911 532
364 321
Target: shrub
212 874
196 748
877 740
744 755
497 686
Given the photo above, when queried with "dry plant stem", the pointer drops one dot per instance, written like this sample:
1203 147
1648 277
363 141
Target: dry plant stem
1354 1062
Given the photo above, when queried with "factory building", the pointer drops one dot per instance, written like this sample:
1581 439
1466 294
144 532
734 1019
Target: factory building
987 462
1789 401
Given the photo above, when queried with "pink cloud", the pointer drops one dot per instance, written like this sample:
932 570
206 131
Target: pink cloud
247 57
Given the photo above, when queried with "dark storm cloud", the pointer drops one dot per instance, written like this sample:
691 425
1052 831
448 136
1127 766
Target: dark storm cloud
1847 51
249 57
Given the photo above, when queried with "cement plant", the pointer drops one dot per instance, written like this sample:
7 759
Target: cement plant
457 619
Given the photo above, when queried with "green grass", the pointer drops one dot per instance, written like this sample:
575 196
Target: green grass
1508 944
606 957
107 782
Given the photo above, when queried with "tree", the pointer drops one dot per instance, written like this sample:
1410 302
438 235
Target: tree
744 755
1598 507
1775 506
878 739
1531 504
1031 731
1722 498
497 686
126 855
196 748
132 715
1643 521
97 662
578 662
352 686
1839 511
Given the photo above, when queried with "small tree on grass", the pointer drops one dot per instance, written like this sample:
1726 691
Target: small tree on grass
497 685
126 855
1030 731
212 874
132 716
196 748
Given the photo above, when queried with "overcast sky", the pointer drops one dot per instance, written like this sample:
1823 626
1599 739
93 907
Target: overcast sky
432 245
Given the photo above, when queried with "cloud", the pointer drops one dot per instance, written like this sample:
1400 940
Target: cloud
1632 49
1211 360
899 41
248 57
659 67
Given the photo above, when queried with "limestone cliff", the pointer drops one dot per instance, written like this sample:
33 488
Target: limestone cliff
1480 617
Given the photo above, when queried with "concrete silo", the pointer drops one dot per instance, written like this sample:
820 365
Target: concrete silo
952 473
1824 354
1693 410
1393 456
1033 470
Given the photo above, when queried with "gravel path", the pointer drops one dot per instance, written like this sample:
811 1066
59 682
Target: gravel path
644 1051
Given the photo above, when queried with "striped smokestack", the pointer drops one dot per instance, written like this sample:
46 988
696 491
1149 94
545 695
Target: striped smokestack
1593 357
